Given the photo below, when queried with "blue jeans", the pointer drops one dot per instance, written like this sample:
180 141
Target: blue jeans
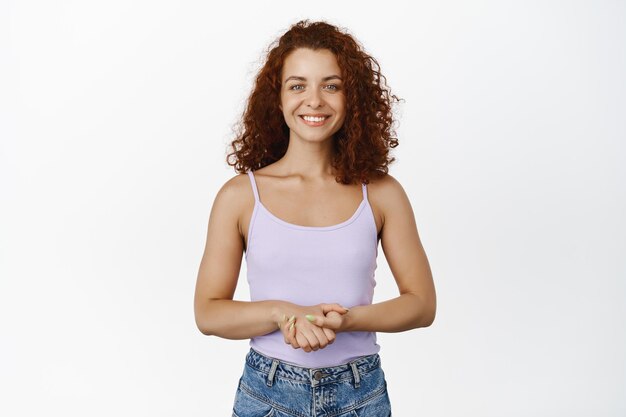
273 388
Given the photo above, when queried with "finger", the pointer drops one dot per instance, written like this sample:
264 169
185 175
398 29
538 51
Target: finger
284 325
303 342
292 337
334 307
316 320
321 337
330 335
333 320
313 341
287 334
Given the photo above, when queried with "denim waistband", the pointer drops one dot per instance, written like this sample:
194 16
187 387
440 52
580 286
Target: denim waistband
281 369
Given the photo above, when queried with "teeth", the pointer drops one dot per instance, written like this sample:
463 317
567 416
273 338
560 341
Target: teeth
313 119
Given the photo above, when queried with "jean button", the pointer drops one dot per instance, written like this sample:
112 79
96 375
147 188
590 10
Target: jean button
318 375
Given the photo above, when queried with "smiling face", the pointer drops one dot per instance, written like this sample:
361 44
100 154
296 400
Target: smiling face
312 86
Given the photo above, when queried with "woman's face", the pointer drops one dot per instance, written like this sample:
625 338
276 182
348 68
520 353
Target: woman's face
312 86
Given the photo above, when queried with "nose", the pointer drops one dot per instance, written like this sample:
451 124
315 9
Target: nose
314 99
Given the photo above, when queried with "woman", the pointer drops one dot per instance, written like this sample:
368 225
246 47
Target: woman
313 145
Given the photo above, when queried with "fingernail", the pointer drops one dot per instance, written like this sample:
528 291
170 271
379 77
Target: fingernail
291 327
292 318
310 318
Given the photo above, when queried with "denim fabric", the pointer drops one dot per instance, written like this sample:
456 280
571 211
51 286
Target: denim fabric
273 388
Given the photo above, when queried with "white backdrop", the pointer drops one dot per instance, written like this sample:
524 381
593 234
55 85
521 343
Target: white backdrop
114 122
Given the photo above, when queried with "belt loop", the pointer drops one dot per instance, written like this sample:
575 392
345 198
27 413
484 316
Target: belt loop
270 377
357 377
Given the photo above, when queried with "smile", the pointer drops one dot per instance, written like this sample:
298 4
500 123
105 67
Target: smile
314 121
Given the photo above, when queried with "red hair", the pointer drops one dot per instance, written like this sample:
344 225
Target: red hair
361 145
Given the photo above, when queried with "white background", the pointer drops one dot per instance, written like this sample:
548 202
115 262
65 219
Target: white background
114 122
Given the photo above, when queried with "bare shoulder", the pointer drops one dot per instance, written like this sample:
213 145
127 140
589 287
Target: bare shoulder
235 189
234 198
388 197
387 185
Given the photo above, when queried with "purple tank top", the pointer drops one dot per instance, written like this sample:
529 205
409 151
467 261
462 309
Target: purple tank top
308 265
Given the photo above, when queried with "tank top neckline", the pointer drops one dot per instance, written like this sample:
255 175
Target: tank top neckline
278 220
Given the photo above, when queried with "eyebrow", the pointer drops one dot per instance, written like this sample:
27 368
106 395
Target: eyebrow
298 78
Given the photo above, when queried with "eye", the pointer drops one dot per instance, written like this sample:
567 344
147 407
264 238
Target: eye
332 87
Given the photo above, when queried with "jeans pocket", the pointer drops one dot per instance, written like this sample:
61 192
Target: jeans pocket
379 406
249 406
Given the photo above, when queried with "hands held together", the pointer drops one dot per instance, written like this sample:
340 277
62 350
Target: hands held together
311 327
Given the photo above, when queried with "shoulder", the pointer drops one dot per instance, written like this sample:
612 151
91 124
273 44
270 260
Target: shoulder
234 189
388 196
387 190
234 196
386 184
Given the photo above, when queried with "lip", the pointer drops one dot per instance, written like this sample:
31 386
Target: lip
314 115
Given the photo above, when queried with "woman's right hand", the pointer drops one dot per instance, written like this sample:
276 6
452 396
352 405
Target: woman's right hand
301 333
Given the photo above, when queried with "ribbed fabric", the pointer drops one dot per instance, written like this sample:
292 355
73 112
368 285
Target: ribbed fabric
308 265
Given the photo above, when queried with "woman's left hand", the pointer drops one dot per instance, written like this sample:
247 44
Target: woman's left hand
306 334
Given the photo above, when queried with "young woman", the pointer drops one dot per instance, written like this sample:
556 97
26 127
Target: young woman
311 203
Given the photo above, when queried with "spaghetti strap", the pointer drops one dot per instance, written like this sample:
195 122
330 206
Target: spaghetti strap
253 183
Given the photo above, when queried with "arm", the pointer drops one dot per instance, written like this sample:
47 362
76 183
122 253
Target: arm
399 314
416 305
216 313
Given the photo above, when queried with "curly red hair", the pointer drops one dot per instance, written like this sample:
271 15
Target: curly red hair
361 145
